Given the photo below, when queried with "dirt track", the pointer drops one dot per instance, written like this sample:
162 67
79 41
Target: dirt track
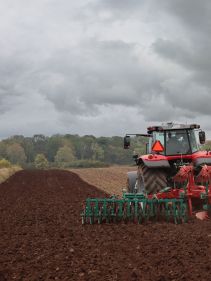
41 237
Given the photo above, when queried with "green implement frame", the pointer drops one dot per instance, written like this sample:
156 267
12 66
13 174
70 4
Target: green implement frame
134 208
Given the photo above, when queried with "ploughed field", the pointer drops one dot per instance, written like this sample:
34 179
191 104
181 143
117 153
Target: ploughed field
41 237
111 179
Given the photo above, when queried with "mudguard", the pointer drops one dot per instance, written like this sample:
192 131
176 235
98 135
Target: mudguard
154 161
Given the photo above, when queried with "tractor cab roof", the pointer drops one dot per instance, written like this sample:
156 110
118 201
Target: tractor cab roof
172 126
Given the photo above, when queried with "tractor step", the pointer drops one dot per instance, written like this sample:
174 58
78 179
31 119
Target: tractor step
133 208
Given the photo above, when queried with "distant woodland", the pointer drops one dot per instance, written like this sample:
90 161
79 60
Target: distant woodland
65 151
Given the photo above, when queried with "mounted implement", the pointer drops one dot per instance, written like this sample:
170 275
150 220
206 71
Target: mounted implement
172 182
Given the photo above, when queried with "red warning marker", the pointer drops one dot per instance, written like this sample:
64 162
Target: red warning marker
157 147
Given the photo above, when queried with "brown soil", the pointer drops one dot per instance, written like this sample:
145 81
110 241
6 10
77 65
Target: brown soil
41 237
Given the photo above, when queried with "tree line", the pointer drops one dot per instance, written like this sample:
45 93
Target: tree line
67 151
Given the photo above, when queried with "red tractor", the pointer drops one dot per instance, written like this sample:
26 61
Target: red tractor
172 182
173 160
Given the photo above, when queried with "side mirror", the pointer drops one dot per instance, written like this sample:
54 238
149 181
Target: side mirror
202 137
126 142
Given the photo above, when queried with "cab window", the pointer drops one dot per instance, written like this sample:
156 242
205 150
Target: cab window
177 142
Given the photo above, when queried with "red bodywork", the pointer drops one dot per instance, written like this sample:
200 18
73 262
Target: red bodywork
192 157
191 173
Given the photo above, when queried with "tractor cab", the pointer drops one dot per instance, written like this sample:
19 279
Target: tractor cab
172 139
175 139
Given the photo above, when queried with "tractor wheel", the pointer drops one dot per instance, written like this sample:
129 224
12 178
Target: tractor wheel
131 181
151 180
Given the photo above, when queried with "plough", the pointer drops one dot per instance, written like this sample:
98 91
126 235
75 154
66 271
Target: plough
177 204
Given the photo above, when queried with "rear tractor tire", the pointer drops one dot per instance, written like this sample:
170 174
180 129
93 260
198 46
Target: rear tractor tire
151 180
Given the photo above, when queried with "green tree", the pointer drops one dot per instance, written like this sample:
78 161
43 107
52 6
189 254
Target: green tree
16 154
28 146
98 152
3 148
40 144
40 161
64 156
85 146
103 141
52 146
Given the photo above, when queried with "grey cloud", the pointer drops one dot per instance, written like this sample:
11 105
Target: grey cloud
127 5
193 13
191 49
173 51
195 98
12 73
191 57
62 67
192 52
118 10
99 73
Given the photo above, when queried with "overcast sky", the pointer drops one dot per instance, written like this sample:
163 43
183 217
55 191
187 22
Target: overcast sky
103 67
